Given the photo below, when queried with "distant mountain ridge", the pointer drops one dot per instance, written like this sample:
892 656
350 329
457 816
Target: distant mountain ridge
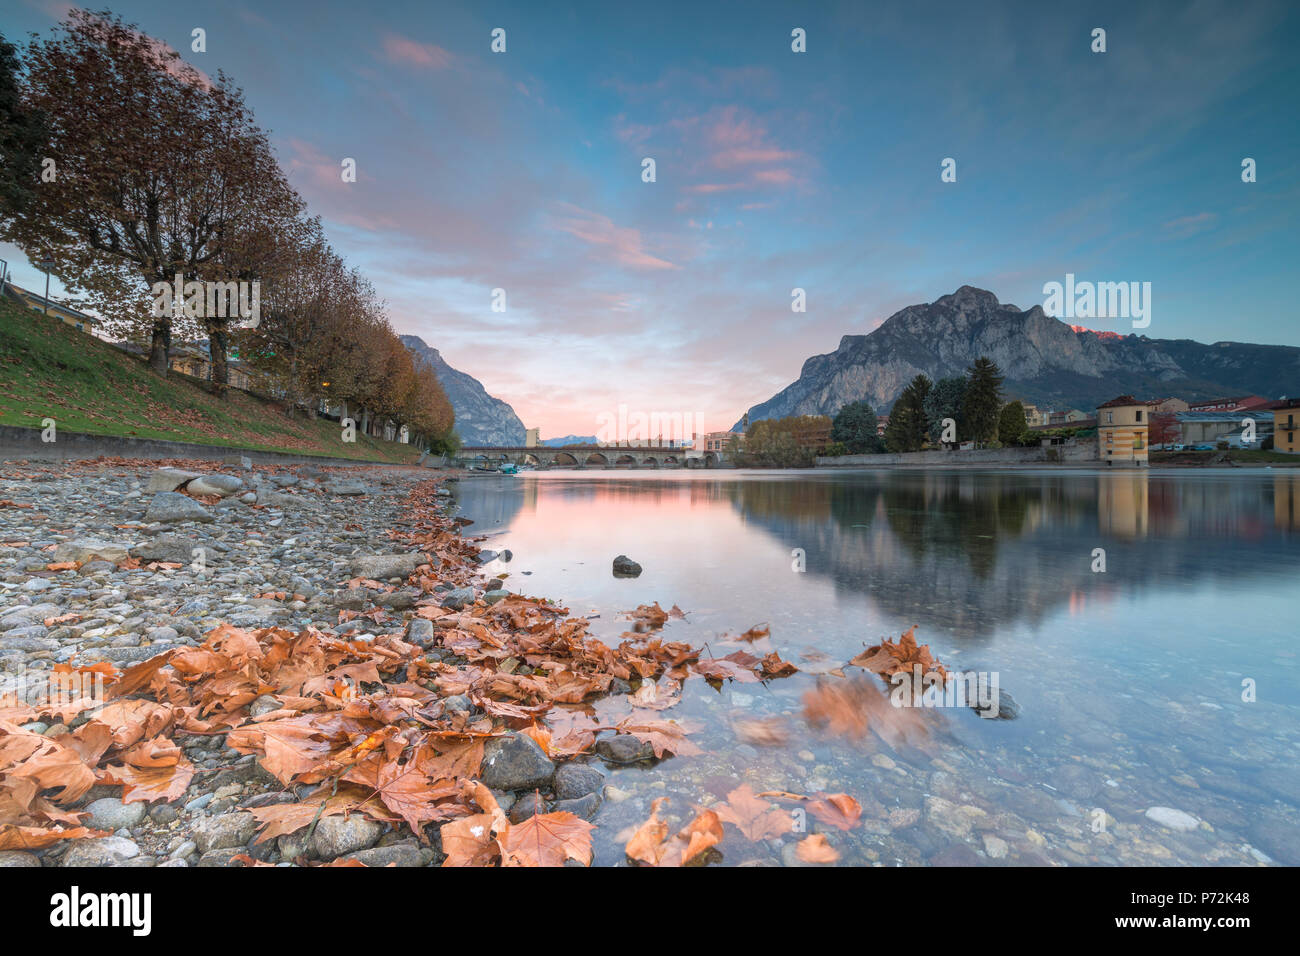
569 440
481 419
1045 361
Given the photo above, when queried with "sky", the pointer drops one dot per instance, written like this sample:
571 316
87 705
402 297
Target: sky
774 170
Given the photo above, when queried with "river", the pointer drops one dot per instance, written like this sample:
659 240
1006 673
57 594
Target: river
1167 680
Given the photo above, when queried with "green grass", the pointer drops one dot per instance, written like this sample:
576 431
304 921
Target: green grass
51 370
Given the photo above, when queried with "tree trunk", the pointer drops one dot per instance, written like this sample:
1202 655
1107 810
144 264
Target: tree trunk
218 342
160 343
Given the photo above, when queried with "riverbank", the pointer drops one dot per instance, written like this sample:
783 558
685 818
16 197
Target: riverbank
97 395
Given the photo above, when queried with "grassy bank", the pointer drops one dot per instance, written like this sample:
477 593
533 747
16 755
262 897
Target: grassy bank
50 370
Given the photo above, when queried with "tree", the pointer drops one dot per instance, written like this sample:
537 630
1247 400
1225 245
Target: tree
22 138
1164 429
982 402
1013 427
157 167
855 427
945 401
908 423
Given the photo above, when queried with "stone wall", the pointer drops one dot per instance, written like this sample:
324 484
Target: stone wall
1080 452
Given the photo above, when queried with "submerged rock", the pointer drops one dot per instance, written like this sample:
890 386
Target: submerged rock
625 567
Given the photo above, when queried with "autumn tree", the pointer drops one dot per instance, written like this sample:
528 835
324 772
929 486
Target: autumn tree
982 402
157 168
22 138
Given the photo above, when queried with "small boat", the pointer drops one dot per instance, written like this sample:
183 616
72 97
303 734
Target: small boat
509 468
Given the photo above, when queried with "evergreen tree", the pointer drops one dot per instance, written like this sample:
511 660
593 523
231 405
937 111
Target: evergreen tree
945 401
1012 425
982 402
855 428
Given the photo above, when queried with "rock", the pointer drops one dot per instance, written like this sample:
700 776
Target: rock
458 598
344 488
1007 708
223 857
169 479
18 858
492 597
516 762
223 485
585 807
527 805
240 461
1276 836
339 835
400 854
82 550
994 847
225 832
1172 819
624 748
573 780
164 813
263 705
420 632
625 567
168 506
110 813
959 854
381 567
100 851
398 600
166 547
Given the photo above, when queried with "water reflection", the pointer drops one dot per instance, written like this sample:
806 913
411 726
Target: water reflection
1131 679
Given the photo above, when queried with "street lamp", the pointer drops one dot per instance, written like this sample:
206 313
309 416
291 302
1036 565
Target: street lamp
47 264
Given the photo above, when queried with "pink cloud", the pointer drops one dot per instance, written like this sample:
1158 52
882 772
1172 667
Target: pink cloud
623 243
399 49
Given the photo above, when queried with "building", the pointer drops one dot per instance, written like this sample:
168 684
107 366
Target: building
1286 418
65 313
1211 428
882 422
1240 403
717 441
194 359
532 437
1164 405
1122 431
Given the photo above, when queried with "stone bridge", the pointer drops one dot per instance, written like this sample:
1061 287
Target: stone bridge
592 456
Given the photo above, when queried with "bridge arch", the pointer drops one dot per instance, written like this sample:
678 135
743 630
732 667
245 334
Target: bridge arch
596 458
625 461
564 458
652 462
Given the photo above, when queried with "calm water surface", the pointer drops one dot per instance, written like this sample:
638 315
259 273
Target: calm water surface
1130 682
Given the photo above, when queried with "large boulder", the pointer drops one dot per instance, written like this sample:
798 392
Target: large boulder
170 548
168 506
169 479
222 485
82 550
380 567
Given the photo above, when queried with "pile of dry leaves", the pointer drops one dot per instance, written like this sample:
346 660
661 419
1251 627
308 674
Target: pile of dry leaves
361 726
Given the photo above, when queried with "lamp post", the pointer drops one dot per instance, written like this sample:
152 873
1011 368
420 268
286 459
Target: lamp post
47 264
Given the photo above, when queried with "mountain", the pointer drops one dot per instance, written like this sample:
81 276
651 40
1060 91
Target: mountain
1045 361
480 418
569 440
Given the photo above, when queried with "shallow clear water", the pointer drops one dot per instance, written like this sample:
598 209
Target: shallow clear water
1130 681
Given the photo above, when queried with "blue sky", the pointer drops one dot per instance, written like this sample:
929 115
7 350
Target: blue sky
775 170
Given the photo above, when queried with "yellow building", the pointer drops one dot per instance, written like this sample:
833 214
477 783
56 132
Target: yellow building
1286 418
1122 431
64 313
